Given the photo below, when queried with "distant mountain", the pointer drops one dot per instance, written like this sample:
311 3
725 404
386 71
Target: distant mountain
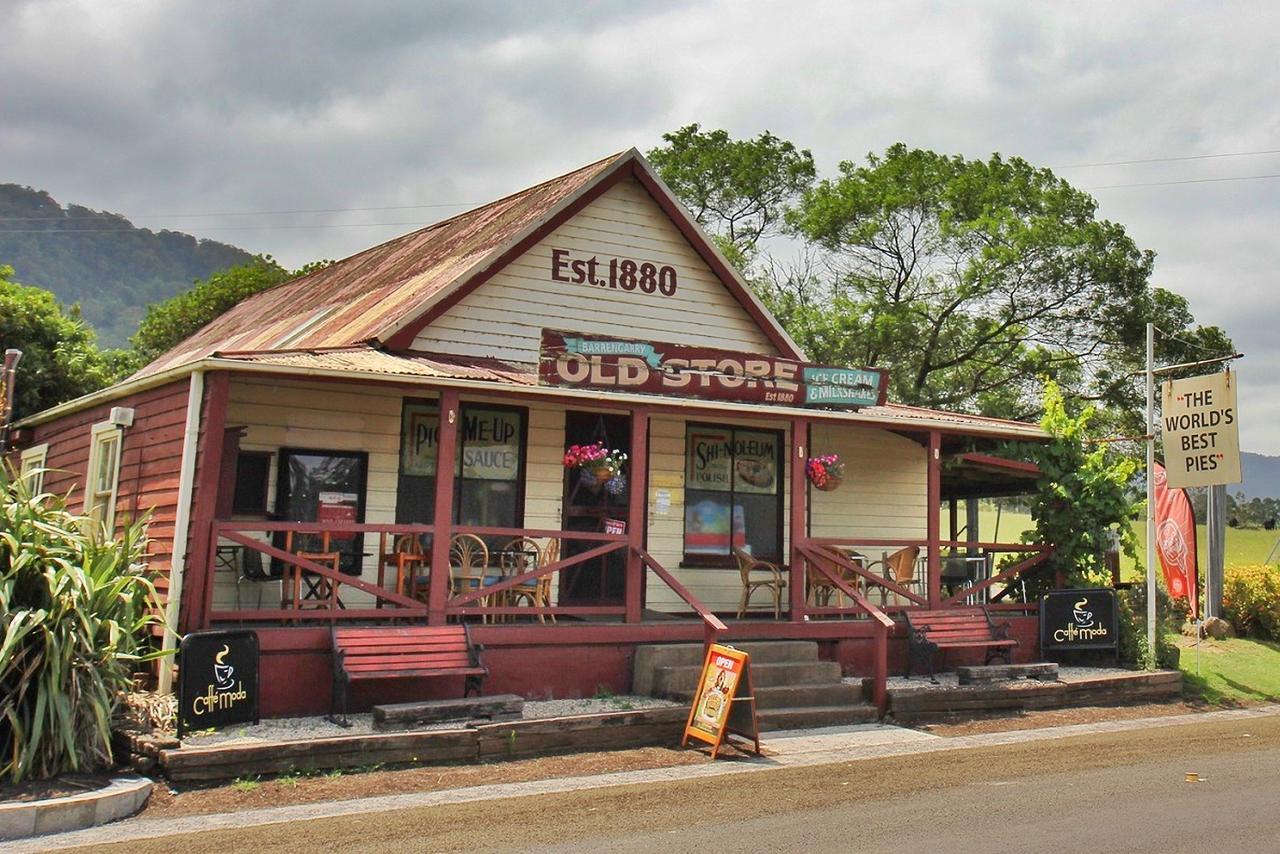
101 260
1261 476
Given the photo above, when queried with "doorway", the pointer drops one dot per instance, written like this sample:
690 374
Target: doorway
587 505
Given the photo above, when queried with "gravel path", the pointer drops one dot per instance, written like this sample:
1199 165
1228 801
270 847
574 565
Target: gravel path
948 681
297 729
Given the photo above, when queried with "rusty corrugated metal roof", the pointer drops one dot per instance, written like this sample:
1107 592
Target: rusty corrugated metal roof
357 299
369 360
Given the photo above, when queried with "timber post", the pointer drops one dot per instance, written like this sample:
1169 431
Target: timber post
933 508
439 580
798 528
636 515
201 543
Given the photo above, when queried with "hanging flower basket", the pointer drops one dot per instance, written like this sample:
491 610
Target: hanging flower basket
825 472
596 464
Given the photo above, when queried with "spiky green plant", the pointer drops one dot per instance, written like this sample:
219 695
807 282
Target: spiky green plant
76 607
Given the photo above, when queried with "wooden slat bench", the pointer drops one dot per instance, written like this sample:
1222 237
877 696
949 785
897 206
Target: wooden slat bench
402 652
956 628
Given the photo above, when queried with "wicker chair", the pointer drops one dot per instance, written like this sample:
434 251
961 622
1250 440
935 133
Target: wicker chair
773 581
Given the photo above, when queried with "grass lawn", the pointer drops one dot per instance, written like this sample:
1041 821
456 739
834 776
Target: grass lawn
1230 672
1244 546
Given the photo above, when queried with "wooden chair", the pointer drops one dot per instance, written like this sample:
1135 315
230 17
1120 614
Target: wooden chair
517 557
820 588
900 568
468 565
773 582
320 591
408 557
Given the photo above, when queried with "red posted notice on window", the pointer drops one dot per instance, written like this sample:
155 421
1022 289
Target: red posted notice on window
720 676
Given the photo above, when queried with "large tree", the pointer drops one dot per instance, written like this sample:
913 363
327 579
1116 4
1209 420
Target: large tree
969 280
737 189
60 356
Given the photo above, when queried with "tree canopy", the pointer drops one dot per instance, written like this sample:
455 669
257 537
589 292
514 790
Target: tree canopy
61 359
168 323
969 280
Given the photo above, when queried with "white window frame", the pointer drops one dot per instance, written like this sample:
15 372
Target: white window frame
29 461
102 435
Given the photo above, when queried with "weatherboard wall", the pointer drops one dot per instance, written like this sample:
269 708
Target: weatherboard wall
505 316
150 464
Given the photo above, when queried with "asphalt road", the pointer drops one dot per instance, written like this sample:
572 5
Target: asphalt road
1097 793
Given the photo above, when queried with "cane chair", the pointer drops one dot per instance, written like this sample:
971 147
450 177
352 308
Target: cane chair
517 557
756 575
900 568
468 565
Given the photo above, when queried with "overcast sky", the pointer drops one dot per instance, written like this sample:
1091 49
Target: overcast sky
170 112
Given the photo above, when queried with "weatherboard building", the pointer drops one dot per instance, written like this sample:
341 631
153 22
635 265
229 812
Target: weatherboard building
311 457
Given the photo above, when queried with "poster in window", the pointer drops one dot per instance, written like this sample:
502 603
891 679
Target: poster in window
706 527
755 462
710 460
491 444
341 507
418 442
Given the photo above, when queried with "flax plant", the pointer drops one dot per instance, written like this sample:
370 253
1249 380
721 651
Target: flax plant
76 609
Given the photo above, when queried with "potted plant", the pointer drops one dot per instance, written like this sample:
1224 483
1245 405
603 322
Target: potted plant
598 466
825 472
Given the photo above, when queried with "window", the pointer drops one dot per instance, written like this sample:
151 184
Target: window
324 486
103 476
488 470
252 472
29 463
733 494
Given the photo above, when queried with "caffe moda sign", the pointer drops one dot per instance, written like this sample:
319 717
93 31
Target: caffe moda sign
1078 620
652 367
217 679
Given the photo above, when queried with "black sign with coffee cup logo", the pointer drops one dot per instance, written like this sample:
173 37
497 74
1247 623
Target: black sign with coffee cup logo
1078 620
217 680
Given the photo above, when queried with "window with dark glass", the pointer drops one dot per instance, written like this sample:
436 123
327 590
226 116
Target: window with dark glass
252 472
733 494
324 486
488 469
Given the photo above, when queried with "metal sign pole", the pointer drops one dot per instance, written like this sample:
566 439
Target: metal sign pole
1151 491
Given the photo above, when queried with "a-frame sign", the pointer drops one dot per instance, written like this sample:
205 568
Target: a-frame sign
725 684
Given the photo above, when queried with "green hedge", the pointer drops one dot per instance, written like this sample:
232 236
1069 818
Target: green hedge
1251 600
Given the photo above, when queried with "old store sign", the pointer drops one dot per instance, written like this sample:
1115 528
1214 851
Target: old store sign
1201 431
619 364
1078 620
217 679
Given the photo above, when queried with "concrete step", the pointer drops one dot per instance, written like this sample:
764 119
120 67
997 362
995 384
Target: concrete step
827 694
650 657
683 680
808 717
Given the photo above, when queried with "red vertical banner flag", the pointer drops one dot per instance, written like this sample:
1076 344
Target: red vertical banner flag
1176 541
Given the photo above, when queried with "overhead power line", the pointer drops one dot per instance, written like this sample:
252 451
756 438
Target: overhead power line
1170 159
1184 181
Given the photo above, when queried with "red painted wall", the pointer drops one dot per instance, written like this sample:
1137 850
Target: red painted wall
150 462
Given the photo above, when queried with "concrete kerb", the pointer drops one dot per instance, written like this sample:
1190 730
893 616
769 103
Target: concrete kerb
124 796
798 748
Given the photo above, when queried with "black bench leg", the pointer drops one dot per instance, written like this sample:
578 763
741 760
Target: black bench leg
473 683
339 697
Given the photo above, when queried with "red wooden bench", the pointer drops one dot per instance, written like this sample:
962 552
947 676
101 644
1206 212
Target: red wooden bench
955 628
408 652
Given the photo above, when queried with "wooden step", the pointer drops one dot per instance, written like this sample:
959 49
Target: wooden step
1045 671
405 716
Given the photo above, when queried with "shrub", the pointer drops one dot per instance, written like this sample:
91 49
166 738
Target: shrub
1251 600
1131 607
76 608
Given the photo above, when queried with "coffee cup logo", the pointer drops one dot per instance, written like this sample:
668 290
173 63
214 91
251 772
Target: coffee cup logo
1084 619
223 674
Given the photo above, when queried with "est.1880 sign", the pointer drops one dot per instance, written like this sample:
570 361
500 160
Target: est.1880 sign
218 679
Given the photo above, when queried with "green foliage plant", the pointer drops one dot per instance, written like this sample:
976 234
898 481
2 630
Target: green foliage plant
76 609
1251 600
1083 497
61 359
